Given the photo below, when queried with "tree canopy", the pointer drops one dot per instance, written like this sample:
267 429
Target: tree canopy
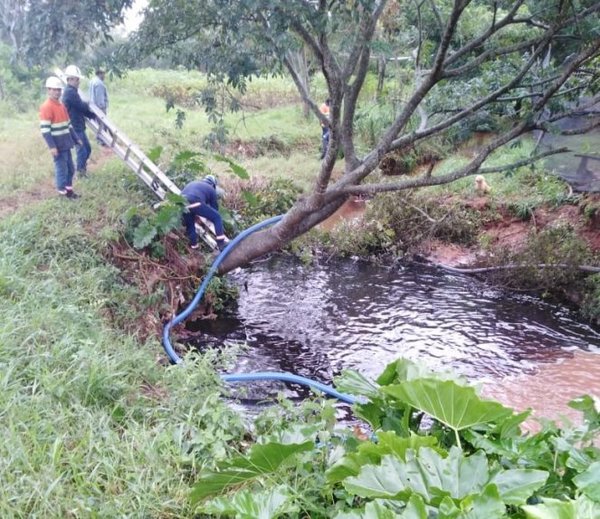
40 31
520 63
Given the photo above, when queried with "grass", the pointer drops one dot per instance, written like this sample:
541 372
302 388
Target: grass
92 424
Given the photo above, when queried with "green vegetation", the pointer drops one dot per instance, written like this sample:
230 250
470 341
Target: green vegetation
467 461
93 425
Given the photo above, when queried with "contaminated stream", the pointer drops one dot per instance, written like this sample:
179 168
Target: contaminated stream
317 320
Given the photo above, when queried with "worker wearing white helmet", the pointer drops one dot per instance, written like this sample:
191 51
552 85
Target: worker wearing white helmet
202 198
78 111
59 136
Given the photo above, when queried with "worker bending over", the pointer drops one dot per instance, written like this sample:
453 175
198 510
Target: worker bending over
203 201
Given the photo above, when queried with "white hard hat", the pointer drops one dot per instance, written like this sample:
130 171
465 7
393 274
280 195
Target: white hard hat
54 82
73 71
211 179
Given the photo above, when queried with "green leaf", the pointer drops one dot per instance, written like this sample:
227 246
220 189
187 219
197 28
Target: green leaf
236 169
371 453
589 481
415 509
265 458
589 406
176 199
262 459
456 406
402 370
250 198
427 474
168 217
215 482
582 508
509 428
487 505
144 234
155 153
184 156
248 504
354 383
386 480
516 486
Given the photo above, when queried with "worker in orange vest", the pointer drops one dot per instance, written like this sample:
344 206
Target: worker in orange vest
325 128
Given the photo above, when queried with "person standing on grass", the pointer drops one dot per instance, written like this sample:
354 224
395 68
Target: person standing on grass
59 136
99 96
202 198
78 111
325 128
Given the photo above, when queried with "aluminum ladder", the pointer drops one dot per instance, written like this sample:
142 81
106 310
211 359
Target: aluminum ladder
105 130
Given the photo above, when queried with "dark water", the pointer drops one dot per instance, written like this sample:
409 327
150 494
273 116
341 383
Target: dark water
317 320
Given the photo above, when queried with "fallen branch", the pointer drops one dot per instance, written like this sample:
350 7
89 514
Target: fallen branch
458 270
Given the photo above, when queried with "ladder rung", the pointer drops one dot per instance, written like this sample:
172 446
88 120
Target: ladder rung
143 167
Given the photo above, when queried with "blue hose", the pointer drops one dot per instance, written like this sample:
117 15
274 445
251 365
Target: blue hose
243 377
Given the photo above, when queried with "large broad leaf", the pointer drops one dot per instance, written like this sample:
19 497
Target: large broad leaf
582 508
486 505
168 217
415 509
176 199
403 370
427 474
456 406
353 383
372 452
236 169
386 480
589 481
262 459
253 505
589 405
144 234
517 485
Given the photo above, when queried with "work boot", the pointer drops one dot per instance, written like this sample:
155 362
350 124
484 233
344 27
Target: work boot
71 194
221 244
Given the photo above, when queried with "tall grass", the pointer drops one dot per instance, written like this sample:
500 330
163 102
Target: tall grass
92 425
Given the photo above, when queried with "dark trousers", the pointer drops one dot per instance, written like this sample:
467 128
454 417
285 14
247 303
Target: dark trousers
83 151
205 211
324 141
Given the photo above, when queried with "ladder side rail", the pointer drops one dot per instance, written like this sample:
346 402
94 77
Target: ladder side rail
134 149
128 151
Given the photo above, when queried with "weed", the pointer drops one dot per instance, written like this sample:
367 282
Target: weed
590 308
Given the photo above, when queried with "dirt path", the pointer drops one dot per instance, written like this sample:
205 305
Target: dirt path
45 188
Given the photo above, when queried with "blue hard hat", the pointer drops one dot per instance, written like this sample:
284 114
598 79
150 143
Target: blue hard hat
211 179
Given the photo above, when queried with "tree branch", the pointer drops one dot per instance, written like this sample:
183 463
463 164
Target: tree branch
483 38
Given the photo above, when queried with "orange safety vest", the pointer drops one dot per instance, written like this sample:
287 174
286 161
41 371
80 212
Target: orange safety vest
324 110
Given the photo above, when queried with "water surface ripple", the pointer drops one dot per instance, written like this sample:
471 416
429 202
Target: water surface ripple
317 320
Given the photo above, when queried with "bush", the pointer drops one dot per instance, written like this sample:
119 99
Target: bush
257 198
590 307
558 245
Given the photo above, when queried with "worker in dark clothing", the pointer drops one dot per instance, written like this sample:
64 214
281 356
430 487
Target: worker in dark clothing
202 198
78 111
325 131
